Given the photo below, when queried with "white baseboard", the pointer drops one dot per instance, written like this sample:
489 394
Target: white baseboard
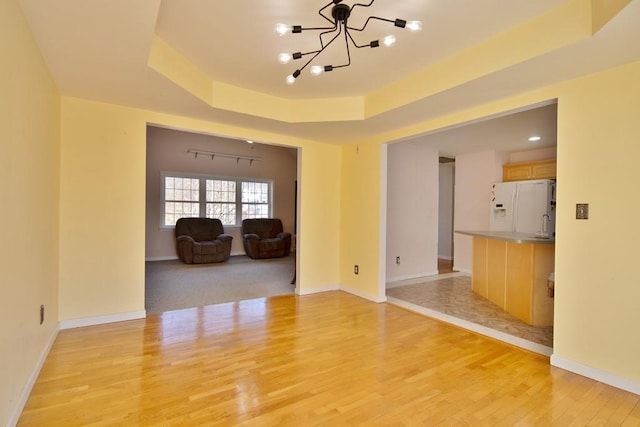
447 257
309 291
462 270
28 387
99 320
412 276
161 258
365 295
596 374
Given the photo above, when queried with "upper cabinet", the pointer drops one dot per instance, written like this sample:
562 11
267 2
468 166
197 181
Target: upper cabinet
542 169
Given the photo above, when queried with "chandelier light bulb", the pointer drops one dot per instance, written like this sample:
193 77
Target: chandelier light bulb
290 79
414 26
389 41
284 58
283 29
316 70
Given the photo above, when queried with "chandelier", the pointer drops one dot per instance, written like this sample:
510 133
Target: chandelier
339 18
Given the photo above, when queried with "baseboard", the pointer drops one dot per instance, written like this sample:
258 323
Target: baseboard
28 387
412 276
462 270
596 374
365 295
309 291
99 320
174 257
448 258
161 258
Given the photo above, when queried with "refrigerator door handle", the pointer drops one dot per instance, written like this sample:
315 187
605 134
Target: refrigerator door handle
514 204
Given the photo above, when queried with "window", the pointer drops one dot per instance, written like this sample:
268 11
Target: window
255 200
221 200
214 197
181 197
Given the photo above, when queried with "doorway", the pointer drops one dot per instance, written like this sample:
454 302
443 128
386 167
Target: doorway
480 149
170 153
446 189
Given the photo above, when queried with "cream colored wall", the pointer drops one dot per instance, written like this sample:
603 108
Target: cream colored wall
319 217
597 293
102 193
29 172
360 221
167 150
102 199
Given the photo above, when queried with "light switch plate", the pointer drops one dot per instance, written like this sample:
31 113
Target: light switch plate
582 210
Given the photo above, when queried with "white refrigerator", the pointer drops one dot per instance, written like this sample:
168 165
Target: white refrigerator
527 207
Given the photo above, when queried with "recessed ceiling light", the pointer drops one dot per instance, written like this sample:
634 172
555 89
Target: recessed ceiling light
535 138
249 141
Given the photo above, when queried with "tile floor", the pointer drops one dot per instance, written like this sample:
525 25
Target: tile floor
449 297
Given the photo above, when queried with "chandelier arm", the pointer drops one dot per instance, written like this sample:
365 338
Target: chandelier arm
324 7
362 5
369 19
315 28
327 32
318 53
309 53
332 67
347 36
356 44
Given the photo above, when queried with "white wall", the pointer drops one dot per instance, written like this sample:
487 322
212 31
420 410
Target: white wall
475 172
533 155
412 211
445 210
167 151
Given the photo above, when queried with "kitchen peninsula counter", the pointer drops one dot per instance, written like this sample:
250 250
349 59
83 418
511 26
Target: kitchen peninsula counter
511 270
509 236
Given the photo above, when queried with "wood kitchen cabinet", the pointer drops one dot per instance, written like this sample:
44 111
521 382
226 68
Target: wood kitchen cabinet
513 275
542 169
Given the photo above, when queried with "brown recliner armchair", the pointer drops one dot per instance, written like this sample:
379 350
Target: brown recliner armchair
202 240
264 238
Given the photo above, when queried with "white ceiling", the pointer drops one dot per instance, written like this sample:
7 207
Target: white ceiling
243 34
99 49
509 132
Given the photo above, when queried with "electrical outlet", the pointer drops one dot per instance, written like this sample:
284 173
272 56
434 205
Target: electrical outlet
356 269
397 260
42 314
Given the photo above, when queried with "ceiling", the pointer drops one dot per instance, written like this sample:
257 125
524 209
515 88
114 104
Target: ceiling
100 49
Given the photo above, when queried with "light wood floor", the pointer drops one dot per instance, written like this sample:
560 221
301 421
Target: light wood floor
322 359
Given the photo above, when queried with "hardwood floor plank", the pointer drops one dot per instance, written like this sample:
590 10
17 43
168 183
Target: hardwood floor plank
322 359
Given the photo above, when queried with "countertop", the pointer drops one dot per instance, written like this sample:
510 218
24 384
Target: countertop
508 236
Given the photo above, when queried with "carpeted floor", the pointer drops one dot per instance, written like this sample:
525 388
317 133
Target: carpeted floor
172 285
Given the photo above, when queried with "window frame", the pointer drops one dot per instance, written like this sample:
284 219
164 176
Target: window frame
202 194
